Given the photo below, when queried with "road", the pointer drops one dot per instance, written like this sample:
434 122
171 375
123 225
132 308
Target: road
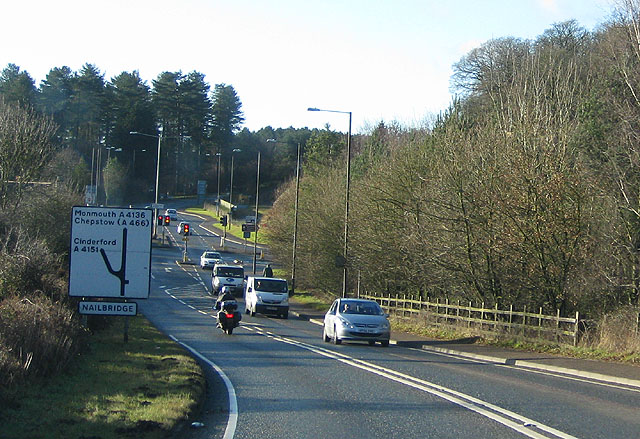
282 380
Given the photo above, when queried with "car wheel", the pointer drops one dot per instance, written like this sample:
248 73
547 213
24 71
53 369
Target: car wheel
336 340
325 337
385 343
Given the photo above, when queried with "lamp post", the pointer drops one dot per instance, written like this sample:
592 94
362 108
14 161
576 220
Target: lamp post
346 206
155 209
231 185
218 199
255 233
295 220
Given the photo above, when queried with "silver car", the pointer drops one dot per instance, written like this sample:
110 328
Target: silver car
209 259
356 320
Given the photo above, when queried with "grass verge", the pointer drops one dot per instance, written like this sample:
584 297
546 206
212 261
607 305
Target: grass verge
233 229
584 352
140 389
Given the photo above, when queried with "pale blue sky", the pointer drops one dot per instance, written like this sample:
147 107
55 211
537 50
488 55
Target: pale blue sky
380 59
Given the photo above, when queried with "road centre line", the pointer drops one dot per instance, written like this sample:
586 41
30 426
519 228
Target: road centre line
503 416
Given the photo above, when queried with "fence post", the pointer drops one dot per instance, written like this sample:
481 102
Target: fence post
446 310
557 325
495 318
482 317
576 328
524 321
469 321
396 304
404 305
539 321
510 317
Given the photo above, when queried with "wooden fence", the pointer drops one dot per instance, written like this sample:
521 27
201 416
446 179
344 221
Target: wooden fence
525 324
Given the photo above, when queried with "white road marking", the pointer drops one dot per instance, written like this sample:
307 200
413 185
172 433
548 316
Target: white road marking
232 421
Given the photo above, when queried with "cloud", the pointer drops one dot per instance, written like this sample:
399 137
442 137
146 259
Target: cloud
549 5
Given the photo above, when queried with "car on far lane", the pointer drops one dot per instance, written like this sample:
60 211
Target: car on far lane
172 213
209 259
356 320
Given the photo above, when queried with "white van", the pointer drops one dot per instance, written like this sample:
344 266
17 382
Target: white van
267 295
226 275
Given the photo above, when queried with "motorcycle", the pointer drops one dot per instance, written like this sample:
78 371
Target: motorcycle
228 315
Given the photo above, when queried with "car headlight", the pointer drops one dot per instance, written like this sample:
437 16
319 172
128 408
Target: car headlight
259 297
385 325
345 323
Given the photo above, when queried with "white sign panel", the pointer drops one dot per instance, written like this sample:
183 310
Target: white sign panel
108 308
110 252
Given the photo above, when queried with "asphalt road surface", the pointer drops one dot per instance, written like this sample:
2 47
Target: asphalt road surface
276 378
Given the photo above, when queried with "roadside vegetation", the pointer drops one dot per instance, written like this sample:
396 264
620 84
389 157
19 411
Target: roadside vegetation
59 377
145 388
524 192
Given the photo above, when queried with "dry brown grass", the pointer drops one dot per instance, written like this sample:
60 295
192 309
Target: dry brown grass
618 331
38 337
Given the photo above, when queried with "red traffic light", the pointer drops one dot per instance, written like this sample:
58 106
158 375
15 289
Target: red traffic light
186 229
160 220
167 220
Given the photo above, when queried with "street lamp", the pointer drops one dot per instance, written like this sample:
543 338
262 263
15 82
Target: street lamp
255 223
155 209
231 185
218 200
346 206
295 220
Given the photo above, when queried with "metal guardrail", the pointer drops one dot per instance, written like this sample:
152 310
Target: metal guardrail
526 323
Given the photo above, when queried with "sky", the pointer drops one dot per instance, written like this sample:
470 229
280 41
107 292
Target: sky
381 60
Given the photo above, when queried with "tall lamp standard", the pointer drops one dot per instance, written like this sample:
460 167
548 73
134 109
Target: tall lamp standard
255 233
231 184
295 220
218 199
346 206
155 209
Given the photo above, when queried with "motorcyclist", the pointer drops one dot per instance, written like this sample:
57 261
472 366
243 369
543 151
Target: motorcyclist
225 294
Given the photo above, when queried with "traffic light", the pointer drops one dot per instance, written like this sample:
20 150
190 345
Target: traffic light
167 220
223 221
160 220
185 229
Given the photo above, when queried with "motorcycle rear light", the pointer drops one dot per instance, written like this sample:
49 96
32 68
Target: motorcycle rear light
229 316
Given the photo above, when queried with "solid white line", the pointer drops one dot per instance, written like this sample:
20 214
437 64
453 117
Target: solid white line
232 422
558 372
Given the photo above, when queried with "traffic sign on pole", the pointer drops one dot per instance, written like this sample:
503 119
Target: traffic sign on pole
110 252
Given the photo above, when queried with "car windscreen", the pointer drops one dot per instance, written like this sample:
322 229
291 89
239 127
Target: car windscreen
212 255
271 285
230 272
369 308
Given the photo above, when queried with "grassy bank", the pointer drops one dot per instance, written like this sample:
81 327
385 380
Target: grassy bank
139 389
233 229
